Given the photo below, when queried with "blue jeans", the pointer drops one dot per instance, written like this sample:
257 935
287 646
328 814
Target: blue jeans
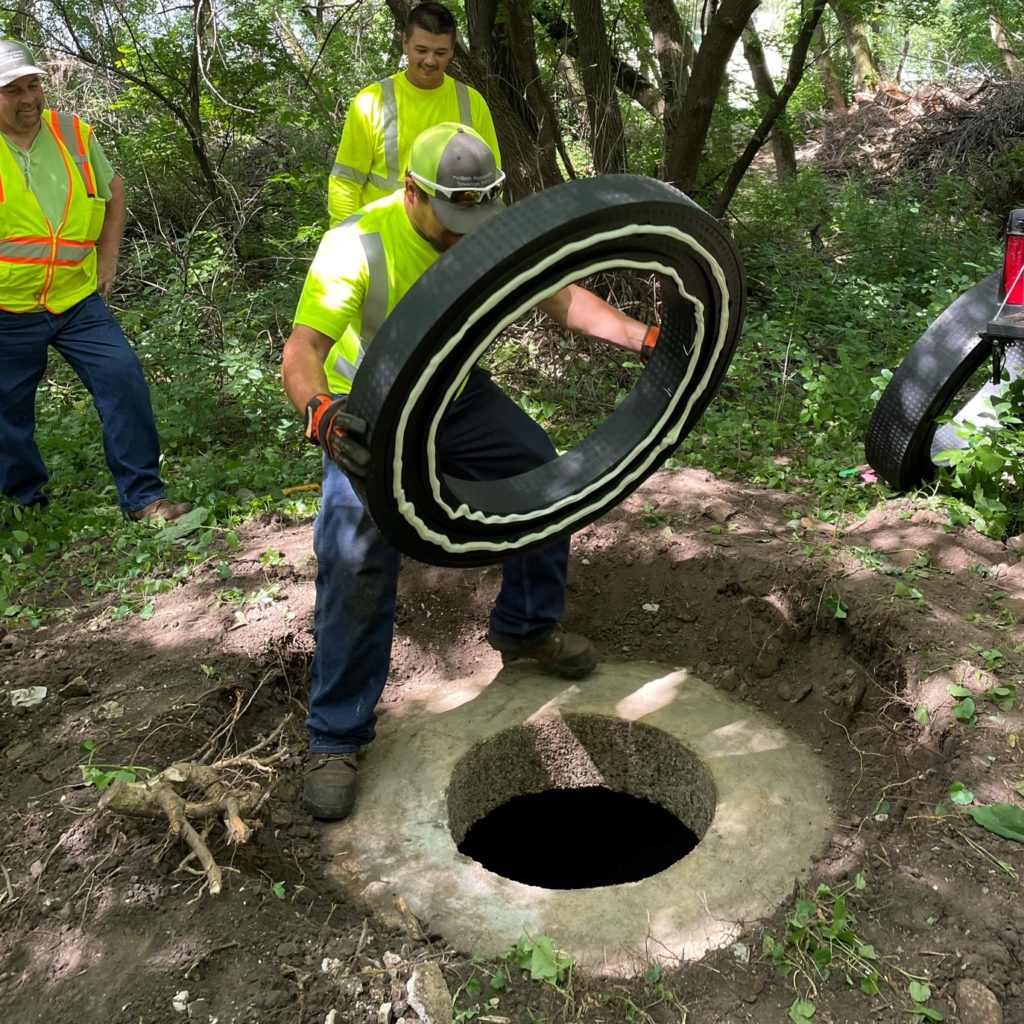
485 435
91 340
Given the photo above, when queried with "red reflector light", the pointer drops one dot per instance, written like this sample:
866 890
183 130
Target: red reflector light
1013 260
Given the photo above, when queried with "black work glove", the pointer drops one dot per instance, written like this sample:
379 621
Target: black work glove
330 427
647 346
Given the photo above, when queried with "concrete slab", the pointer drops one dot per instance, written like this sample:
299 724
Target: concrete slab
754 792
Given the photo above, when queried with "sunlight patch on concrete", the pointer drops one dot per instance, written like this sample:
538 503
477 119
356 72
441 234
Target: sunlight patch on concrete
652 696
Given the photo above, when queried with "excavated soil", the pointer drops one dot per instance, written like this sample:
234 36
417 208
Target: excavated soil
847 634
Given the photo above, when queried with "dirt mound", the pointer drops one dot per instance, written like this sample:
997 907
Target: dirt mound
848 635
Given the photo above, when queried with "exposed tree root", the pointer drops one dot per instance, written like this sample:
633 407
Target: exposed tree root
232 789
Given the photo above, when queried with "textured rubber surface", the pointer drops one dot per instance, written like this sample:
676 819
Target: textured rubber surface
447 320
902 437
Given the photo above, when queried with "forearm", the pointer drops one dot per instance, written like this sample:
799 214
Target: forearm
582 311
108 245
302 365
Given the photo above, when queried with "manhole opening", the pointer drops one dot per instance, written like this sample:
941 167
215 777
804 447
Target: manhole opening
570 801
578 838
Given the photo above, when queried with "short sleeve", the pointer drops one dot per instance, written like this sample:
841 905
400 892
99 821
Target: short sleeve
332 296
101 166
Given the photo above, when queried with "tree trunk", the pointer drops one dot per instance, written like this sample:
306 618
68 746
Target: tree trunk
673 47
1001 38
827 72
855 35
683 148
797 65
607 135
516 69
781 140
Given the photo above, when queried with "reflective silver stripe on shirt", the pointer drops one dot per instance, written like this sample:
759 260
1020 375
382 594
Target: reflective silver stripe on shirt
65 124
16 250
465 107
32 251
351 173
375 302
390 133
375 305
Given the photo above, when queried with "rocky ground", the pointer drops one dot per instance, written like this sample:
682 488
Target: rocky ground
850 635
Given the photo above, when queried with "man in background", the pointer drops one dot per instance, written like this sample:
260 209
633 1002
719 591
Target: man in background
62 214
385 117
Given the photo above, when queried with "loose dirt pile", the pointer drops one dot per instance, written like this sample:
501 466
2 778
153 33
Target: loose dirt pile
848 636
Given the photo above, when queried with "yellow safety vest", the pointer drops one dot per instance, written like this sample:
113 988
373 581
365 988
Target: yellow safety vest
43 265
380 127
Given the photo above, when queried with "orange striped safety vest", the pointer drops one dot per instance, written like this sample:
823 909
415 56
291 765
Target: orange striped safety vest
43 265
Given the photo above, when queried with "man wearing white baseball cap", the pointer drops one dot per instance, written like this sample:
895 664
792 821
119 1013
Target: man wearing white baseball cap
62 213
15 61
361 270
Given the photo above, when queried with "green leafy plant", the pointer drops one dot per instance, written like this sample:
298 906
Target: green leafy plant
541 959
802 1010
1003 819
901 589
993 657
964 708
1002 695
960 794
920 993
471 990
987 474
102 775
821 943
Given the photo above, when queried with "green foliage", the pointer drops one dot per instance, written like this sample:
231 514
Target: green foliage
540 958
1003 819
842 280
920 993
821 944
986 476
102 775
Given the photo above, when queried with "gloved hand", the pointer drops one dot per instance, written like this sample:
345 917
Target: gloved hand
647 346
330 427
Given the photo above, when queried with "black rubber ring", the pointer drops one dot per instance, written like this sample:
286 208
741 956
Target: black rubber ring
447 320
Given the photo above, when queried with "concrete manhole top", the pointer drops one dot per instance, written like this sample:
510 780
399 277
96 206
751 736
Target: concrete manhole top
752 794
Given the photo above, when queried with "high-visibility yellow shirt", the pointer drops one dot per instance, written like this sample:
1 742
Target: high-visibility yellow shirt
360 271
381 124
53 200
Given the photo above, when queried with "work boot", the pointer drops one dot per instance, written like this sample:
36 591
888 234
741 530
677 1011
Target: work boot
329 789
162 508
566 654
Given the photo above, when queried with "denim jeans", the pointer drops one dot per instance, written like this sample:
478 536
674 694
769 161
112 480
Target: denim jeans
91 340
485 435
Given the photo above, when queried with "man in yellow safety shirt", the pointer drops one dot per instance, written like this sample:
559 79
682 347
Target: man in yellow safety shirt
62 214
385 117
360 272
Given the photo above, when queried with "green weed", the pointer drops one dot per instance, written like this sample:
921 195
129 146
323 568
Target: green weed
540 958
102 775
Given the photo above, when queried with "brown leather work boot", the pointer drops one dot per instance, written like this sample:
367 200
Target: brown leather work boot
566 654
162 508
329 790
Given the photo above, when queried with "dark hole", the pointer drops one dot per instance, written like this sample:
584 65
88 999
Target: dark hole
577 838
